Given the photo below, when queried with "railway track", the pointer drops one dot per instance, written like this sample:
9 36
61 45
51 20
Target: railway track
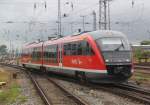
126 90
145 66
134 92
40 90
142 67
54 93
51 92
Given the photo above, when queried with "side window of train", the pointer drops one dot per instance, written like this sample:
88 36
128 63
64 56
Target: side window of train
67 49
45 54
85 49
78 48
36 54
88 49
50 53
74 48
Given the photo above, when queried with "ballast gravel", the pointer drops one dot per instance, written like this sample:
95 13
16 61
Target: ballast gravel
29 91
96 97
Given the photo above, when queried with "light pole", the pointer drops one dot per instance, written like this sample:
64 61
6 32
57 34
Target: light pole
83 23
59 19
94 21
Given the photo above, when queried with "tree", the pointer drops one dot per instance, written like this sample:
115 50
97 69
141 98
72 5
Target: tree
138 54
3 49
146 55
145 42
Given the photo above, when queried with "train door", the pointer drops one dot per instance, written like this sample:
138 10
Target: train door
60 55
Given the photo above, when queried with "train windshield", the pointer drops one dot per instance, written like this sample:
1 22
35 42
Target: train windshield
113 44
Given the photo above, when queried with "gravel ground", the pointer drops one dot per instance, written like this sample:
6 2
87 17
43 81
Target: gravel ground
92 96
97 97
31 97
56 95
29 91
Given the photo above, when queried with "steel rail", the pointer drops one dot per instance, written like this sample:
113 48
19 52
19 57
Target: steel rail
78 100
137 92
40 90
142 67
126 91
134 88
68 94
134 92
36 85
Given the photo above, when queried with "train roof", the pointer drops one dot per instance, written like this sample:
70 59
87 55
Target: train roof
33 44
80 36
105 33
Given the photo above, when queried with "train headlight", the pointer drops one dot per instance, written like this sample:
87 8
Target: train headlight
127 60
106 60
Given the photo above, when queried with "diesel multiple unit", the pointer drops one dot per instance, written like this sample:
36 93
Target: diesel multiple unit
99 56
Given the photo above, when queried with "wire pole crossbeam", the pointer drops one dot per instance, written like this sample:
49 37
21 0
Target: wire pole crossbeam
104 15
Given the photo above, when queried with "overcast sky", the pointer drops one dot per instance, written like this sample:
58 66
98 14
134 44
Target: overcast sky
31 23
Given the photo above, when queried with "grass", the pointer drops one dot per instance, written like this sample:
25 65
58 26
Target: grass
12 93
9 95
141 77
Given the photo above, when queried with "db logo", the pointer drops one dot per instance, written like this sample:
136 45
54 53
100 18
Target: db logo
76 61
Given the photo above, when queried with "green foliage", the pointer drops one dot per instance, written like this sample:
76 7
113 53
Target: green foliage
3 49
145 42
10 95
138 53
145 54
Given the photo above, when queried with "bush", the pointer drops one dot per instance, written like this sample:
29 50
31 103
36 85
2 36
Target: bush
139 55
146 42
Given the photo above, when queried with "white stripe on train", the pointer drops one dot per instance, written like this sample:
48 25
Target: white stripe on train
71 68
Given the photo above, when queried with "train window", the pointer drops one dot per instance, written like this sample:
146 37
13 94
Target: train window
50 53
65 49
113 44
36 54
78 48
45 54
73 49
88 49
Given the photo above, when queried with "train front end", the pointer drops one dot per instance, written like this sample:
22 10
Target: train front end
117 55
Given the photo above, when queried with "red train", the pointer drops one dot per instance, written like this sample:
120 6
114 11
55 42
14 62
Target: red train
99 56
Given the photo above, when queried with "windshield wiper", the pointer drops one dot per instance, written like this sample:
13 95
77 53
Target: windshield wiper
121 45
